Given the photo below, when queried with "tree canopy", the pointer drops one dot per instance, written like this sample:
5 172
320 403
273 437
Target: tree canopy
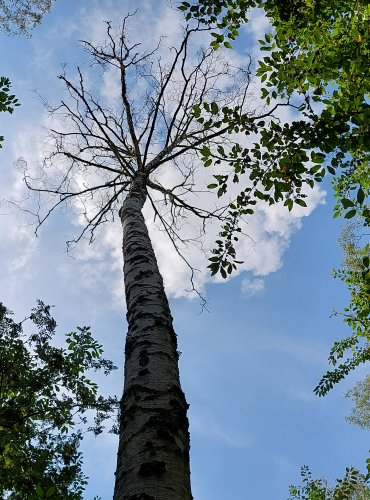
44 399
360 395
355 273
316 60
353 486
20 16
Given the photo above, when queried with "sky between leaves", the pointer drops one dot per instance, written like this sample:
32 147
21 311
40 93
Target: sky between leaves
249 365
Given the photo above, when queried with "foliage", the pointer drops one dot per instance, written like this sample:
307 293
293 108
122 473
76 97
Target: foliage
354 486
355 273
45 397
360 395
7 101
20 16
317 63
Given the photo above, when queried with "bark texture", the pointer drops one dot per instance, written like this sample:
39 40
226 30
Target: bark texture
153 453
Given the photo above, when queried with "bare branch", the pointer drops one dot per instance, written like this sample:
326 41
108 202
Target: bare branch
98 152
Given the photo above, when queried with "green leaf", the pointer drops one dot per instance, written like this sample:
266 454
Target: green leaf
213 259
50 491
39 491
360 196
196 110
205 151
330 169
346 203
212 186
350 214
214 108
300 202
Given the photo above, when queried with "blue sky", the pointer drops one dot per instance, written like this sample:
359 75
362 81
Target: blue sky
249 365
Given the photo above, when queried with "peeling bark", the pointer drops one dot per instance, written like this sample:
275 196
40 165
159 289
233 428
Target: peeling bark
153 453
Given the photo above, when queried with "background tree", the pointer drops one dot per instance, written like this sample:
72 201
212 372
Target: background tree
45 397
353 486
20 16
355 273
360 395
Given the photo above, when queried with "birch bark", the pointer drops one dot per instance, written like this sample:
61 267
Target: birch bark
153 453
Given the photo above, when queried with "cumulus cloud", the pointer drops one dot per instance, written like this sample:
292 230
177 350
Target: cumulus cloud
257 26
269 230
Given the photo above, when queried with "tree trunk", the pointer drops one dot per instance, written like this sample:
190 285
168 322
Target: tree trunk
153 454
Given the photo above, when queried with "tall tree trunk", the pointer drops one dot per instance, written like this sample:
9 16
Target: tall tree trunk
153 453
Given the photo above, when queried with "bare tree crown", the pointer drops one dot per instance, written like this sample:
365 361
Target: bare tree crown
97 150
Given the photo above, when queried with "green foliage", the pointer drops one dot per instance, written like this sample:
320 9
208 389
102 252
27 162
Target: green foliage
20 16
7 101
314 60
44 399
355 273
316 63
225 15
354 486
360 395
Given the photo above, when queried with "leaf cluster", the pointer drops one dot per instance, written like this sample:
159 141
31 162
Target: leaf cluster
275 170
355 273
353 486
20 16
45 396
7 101
317 63
226 15
360 413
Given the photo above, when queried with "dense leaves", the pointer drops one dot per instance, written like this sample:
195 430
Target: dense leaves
360 395
354 486
7 101
316 63
20 16
44 399
355 273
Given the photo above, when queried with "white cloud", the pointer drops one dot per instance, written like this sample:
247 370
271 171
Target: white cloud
257 26
252 287
269 230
